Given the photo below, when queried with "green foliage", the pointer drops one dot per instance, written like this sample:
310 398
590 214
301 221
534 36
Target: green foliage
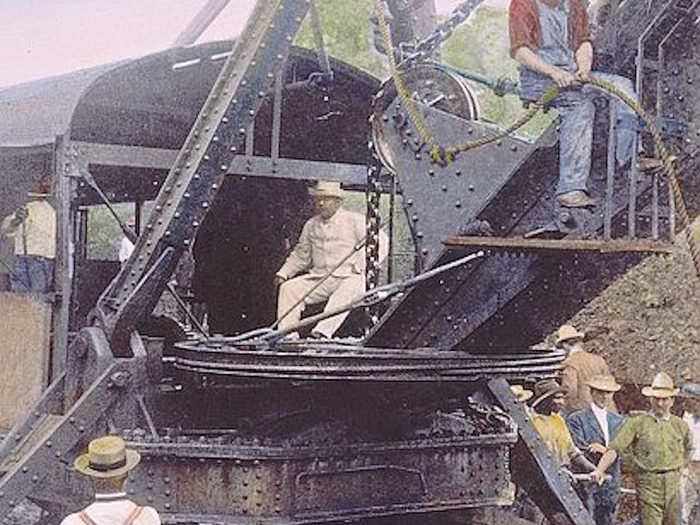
104 234
346 34
482 45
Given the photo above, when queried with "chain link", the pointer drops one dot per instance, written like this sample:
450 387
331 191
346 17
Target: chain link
423 50
372 266
444 156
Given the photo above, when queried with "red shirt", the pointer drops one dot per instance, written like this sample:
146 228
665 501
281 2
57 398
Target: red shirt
524 25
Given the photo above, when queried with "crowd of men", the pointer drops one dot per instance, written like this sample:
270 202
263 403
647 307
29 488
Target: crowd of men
579 423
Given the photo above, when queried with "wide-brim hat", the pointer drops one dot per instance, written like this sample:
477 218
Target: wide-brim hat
603 382
545 389
327 189
690 390
566 333
107 457
662 386
520 393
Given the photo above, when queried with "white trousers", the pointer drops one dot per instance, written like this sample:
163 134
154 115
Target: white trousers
339 291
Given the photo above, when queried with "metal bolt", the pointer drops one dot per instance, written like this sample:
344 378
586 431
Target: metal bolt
120 379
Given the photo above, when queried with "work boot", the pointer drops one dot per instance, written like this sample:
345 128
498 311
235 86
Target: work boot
576 199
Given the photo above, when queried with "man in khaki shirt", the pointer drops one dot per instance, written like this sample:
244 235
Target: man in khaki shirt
326 239
578 368
108 463
659 446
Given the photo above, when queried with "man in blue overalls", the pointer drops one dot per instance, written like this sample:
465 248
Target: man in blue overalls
551 41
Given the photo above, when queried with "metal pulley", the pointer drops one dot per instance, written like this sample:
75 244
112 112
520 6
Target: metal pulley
430 86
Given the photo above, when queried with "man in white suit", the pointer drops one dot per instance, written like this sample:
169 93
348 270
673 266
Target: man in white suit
326 239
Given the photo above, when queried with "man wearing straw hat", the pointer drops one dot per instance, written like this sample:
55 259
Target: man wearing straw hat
592 430
326 264
659 446
521 393
578 367
108 463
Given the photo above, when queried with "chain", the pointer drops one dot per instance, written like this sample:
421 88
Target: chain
425 48
437 153
444 156
372 266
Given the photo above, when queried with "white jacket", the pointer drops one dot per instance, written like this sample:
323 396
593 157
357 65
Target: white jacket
324 243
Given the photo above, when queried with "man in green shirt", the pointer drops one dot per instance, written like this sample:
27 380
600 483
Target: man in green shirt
659 446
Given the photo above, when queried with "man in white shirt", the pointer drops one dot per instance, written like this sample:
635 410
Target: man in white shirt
327 238
108 463
690 480
593 428
126 247
32 227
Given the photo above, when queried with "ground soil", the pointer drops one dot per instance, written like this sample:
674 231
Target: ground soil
649 320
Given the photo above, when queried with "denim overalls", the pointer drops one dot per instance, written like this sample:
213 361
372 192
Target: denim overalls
575 106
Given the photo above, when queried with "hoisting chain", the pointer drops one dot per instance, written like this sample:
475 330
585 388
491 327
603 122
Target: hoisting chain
423 50
443 156
372 249
439 154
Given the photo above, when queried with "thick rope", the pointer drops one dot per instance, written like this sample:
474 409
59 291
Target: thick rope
445 155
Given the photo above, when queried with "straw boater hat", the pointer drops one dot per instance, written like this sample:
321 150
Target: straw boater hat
661 386
566 333
327 189
603 382
520 393
107 457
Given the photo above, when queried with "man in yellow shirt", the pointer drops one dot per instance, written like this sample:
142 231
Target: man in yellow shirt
549 399
659 446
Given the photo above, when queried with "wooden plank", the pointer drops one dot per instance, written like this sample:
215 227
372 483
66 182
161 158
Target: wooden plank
24 354
561 245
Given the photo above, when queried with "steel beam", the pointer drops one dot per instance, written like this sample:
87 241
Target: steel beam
292 483
200 22
537 469
65 170
253 166
203 161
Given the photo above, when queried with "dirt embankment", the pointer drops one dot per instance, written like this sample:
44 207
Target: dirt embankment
649 320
